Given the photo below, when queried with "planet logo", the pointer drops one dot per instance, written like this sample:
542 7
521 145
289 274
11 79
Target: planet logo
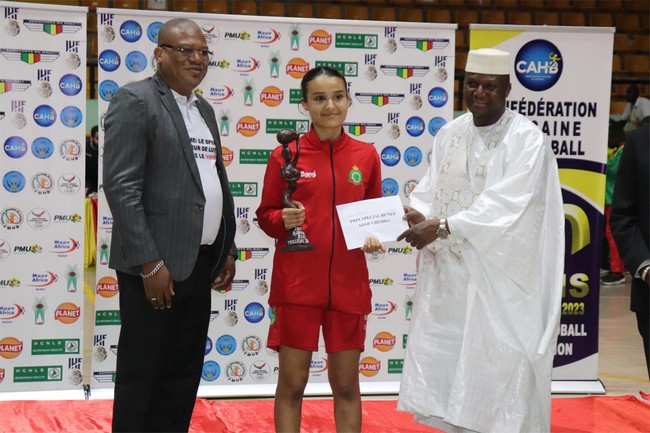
254 312
42 148
248 126
130 31
70 84
271 96
153 30
211 371
109 60
107 287
67 313
71 116
10 347
369 366
227 155
320 40
225 345
136 61
14 181
413 156
390 156
44 115
389 187
297 68
107 89
435 124
383 341
438 97
15 147
538 65
415 126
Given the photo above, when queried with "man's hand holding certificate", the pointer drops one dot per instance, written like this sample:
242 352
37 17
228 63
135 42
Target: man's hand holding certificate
380 218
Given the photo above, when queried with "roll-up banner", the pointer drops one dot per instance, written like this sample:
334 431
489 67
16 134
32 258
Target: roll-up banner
400 77
561 80
42 163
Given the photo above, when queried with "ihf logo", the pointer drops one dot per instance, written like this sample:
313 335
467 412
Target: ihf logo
438 97
130 31
538 65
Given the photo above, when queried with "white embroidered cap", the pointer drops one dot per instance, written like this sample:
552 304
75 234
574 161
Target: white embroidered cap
488 61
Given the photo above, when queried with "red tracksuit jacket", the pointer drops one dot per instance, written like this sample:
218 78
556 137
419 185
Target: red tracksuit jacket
331 276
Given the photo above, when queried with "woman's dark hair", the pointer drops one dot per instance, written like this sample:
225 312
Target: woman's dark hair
317 72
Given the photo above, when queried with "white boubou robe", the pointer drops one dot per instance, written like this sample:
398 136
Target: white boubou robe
487 305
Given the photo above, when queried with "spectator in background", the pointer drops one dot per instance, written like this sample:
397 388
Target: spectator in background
637 108
615 142
630 219
92 157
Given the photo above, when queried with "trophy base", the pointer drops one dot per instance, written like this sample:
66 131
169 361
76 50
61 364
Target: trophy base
297 241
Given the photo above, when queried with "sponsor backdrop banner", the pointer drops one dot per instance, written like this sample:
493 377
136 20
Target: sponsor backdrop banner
42 131
560 83
401 84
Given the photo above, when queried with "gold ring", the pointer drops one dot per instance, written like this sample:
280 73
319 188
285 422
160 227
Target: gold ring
153 299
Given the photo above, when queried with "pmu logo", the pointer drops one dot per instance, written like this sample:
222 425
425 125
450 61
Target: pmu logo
71 116
15 147
415 126
52 27
435 124
153 30
70 85
130 31
390 156
107 89
538 65
320 40
44 115
383 309
225 345
413 156
438 97
271 96
109 60
389 187
13 181
135 61
14 85
254 312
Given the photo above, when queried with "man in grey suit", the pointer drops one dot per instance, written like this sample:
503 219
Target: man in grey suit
173 231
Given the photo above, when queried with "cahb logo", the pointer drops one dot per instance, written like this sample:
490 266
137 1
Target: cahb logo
320 40
438 97
538 65
44 115
130 31
254 312
70 84
107 287
369 366
415 126
15 147
271 96
248 126
109 60
390 156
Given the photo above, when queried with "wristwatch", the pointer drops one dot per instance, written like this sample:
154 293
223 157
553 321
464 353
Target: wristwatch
442 232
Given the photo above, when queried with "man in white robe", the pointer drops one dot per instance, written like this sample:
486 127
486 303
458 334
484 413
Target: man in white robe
487 218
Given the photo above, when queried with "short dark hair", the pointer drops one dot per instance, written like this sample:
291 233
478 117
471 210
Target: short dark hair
94 130
317 72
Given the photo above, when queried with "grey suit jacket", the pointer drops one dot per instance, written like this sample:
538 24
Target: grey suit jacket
152 182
